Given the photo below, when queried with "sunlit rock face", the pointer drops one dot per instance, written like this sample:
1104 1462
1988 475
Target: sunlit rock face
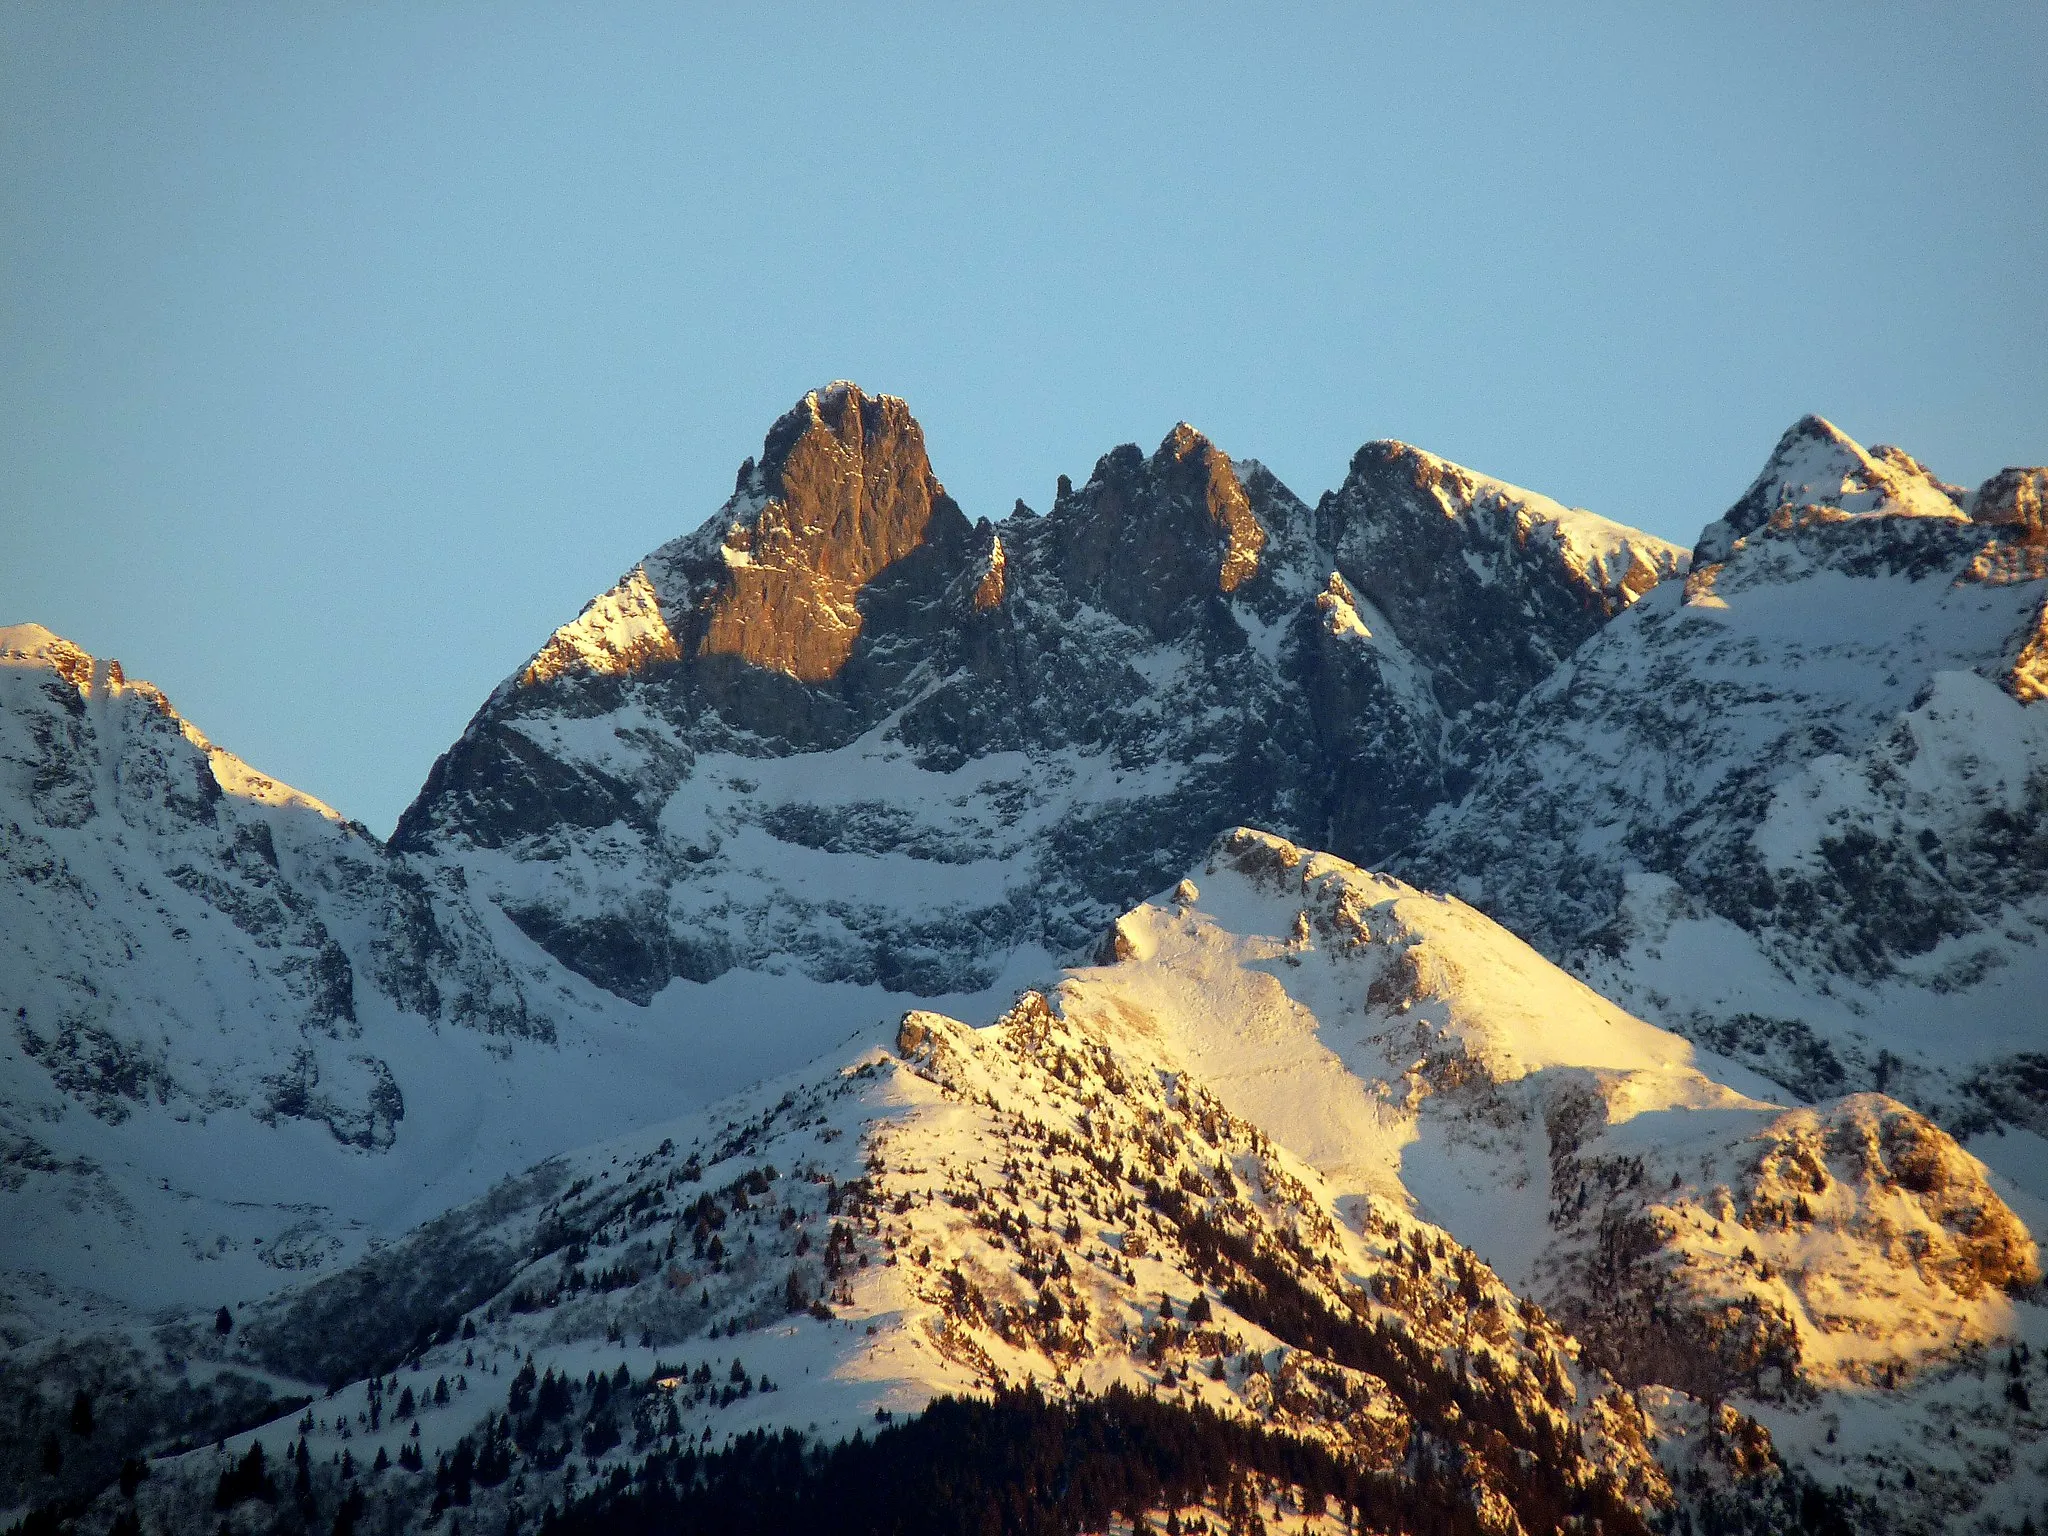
2016 498
841 729
1150 540
844 492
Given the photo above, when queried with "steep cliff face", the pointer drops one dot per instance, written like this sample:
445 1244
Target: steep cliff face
841 730
1794 809
1495 584
1154 542
843 492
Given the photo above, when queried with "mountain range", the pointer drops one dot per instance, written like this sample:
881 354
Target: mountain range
1471 1015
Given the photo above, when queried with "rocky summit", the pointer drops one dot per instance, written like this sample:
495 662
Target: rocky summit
1009 730
1189 1010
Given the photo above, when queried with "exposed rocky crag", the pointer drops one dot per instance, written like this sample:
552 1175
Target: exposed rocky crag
842 729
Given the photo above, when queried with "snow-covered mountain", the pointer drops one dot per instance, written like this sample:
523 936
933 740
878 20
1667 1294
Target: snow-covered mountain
244 1039
582 1131
1315 1152
838 743
1794 807
843 732
187 942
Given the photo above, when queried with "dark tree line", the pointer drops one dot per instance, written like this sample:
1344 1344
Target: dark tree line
1020 1466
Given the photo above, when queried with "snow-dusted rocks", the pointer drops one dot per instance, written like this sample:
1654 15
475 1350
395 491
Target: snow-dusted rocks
1030 1201
838 731
620 631
242 1039
1495 585
185 941
1816 464
1410 1049
1794 810
162 893
1769 1253
1307 1156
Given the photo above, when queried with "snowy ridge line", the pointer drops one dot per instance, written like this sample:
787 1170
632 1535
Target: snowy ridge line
1795 810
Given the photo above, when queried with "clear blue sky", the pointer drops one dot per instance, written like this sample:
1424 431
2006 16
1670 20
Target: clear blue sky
345 350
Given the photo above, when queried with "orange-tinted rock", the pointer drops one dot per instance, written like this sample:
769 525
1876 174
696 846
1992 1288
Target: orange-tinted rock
989 590
849 491
2017 499
1153 541
1224 497
2028 679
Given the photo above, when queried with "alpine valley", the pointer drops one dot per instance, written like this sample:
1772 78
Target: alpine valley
1186 1011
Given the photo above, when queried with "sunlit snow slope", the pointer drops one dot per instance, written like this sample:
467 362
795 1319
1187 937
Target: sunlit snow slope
1307 1150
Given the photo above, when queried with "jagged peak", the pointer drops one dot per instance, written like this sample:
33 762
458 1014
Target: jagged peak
1429 471
842 489
1906 464
1184 442
1186 448
1146 534
1223 494
1460 491
1816 464
848 415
